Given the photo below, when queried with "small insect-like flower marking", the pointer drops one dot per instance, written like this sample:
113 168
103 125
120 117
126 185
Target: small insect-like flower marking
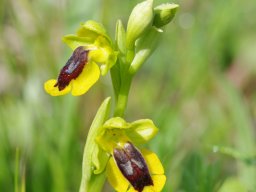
73 67
133 166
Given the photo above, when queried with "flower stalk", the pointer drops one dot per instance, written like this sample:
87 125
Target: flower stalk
122 97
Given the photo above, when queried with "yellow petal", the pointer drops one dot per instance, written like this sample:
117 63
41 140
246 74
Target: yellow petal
54 91
146 189
154 164
158 180
115 177
86 79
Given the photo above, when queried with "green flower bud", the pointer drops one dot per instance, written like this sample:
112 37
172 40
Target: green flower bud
139 21
164 13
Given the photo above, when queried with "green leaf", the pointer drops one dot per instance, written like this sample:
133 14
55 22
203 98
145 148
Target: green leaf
90 160
96 182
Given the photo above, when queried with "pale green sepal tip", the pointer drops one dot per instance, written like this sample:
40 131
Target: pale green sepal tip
120 37
139 21
88 165
141 131
164 14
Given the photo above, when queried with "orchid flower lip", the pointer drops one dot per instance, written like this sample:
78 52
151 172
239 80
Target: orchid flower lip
133 166
73 67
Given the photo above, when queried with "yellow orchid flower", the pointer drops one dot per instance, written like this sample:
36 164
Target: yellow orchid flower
93 55
128 169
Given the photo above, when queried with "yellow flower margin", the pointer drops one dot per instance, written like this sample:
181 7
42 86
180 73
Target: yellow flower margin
156 170
78 86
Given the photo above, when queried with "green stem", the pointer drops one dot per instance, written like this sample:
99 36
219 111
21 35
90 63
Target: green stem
122 97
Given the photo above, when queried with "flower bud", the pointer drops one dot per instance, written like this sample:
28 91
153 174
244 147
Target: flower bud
139 20
164 13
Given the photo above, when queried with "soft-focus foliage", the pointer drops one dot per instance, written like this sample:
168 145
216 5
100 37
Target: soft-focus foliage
201 94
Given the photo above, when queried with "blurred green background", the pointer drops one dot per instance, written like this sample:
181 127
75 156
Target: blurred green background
199 87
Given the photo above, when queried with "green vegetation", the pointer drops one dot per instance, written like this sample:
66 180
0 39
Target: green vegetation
201 94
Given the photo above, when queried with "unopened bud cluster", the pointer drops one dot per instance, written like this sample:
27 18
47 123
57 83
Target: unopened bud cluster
143 28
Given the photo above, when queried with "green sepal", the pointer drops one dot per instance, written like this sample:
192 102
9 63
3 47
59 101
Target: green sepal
120 37
141 131
90 161
116 123
73 41
92 28
164 13
87 34
145 46
117 131
139 21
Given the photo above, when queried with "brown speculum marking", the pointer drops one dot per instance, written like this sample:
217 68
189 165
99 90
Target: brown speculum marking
133 166
73 67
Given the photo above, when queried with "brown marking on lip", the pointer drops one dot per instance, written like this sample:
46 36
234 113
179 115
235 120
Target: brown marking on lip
133 166
73 67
